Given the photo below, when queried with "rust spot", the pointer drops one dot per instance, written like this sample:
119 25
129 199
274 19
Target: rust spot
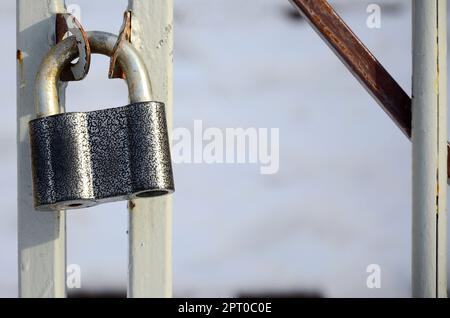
131 205
115 71
19 56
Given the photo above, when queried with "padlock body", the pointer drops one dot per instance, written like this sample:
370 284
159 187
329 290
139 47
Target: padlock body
82 159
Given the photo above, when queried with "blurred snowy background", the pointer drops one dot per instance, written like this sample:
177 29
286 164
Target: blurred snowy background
340 201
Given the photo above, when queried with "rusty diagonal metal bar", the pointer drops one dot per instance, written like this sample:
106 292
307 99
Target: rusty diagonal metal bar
360 61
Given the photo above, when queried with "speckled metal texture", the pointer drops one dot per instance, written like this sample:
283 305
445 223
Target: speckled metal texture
83 159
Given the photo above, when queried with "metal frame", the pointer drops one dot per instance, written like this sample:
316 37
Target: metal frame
428 126
42 237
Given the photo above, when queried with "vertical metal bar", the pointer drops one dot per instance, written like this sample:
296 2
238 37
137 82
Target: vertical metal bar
429 151
443 147
150 220
41 236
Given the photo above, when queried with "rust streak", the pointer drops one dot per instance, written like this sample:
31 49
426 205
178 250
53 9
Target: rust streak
19 56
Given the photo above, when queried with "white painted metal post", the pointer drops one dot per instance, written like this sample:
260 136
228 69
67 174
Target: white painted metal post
41 236
150 220
429 155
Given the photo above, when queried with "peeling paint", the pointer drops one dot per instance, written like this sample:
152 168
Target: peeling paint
19 58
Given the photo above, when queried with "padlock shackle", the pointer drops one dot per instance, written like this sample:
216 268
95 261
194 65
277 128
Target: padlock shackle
46 88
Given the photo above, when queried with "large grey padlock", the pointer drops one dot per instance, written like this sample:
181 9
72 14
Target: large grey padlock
81 159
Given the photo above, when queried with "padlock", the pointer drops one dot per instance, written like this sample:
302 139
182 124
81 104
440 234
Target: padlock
81 159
